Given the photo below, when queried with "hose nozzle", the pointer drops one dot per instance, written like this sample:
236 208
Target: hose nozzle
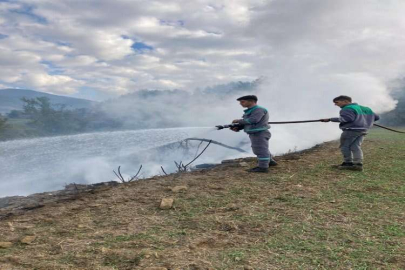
228 126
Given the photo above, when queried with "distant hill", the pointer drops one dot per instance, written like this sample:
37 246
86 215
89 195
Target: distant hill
10 99
396 117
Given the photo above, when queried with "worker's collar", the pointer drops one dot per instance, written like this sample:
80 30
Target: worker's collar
350 104
250 109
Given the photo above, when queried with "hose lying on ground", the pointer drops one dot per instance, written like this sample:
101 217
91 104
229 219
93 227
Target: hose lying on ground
387 128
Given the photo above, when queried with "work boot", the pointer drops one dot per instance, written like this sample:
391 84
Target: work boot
258 170
344 166
357 167
272 163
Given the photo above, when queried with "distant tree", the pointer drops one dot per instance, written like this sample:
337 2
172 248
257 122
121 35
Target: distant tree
3 123
47 117
15 114
54 119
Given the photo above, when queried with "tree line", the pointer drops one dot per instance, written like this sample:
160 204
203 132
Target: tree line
138 110
39 117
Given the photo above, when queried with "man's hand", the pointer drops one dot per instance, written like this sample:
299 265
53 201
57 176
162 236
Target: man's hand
235 129
236 121
325 120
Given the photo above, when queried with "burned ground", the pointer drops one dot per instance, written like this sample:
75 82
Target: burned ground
303 214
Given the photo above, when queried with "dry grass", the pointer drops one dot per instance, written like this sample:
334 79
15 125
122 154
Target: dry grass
302 215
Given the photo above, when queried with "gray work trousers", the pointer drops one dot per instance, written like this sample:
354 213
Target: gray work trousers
350 145
260 147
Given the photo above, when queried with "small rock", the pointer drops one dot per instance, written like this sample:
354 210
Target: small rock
195 266
179 188
166 203
205 166
10 225
247 267
244 164
227 161
156 268
148 254
95 205
232 207
5 244
25 227
28 239
11 259
32 206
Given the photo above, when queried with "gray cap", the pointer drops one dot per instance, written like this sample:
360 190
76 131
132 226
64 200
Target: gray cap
248 97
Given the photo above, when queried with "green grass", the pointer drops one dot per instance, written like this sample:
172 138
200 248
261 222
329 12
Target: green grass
372 201
355 222
321 218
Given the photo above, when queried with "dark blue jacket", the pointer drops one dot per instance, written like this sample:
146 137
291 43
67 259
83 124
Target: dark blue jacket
356 117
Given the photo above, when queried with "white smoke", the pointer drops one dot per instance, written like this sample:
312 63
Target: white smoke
308 51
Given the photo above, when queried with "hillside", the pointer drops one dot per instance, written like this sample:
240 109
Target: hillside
396 117
10 99
302 215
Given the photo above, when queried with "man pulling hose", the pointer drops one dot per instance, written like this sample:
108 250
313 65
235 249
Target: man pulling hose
355 121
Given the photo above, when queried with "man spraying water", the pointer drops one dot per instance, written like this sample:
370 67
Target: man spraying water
255 123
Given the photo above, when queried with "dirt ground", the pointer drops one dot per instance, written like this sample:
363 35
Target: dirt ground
301 215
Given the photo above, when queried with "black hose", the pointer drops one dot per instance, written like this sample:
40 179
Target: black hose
387 128
294 122
311 121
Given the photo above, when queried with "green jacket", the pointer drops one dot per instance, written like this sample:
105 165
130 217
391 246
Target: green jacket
255 119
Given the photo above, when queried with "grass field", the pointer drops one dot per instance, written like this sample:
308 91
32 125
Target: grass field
302 215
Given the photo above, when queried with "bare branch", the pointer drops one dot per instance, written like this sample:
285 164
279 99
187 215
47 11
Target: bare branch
199 154
198 148
163 170
135 177
217 143
122 179
119 175
119 172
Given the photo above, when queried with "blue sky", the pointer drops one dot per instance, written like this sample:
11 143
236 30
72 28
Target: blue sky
100 48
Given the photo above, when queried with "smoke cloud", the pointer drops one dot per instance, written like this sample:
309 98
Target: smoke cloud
306 51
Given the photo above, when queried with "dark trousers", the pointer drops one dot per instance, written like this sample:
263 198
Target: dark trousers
260 147
350 145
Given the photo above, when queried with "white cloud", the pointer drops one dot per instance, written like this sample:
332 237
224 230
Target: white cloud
52 83
17 58
199 43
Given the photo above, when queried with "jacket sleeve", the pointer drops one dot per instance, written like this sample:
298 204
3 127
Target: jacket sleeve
335 119
254 117
346 116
